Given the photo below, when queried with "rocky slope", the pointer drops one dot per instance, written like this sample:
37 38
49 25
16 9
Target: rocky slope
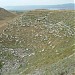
39 42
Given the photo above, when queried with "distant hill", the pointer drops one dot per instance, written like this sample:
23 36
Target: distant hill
69 6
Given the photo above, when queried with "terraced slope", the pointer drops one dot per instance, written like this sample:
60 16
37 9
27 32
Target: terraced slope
39 42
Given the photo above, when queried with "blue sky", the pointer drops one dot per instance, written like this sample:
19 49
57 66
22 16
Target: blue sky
32 2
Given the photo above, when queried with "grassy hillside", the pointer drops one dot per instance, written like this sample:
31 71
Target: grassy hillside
39 42
5 16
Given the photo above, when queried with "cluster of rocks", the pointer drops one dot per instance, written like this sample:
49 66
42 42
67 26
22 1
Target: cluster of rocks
12 59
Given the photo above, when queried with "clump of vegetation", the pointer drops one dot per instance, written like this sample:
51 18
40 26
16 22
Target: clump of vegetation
1 64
